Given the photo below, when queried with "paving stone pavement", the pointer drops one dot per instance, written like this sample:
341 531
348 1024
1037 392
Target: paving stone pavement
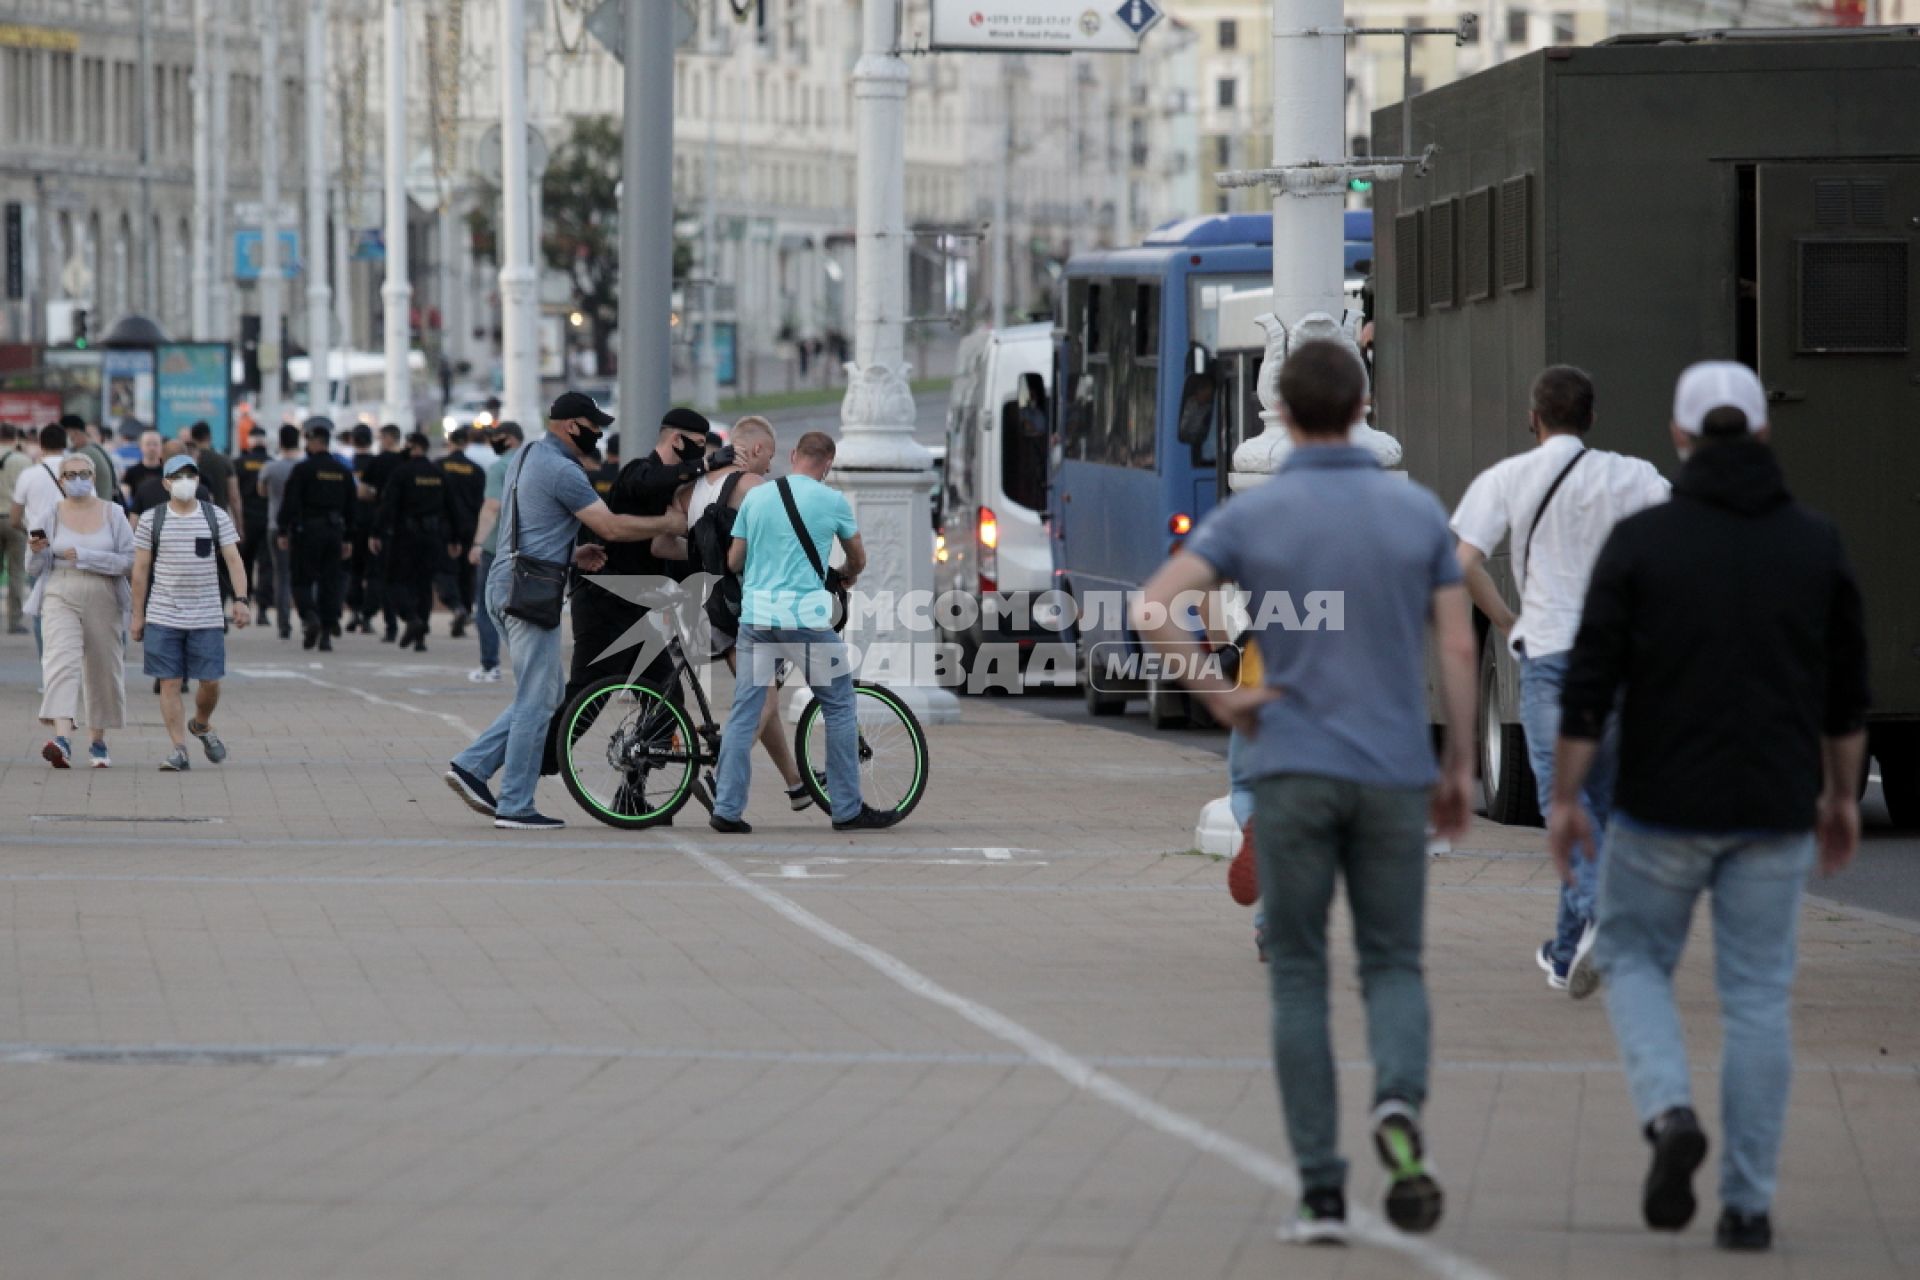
304 1015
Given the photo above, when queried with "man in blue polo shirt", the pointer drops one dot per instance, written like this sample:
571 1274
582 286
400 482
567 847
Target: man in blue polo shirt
1346 567
548 498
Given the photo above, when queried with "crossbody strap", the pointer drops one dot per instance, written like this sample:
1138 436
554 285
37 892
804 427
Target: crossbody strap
800 529
513 498
1526 559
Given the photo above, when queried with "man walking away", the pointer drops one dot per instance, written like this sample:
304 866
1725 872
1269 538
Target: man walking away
548 498
505 438
1341 757
466 491
178 549
313 531
415 518
1731 620
1557 502
378 595
786 611
273 486
13 542
256 542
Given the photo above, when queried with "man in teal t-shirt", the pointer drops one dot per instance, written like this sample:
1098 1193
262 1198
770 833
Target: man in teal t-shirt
505 438
787 612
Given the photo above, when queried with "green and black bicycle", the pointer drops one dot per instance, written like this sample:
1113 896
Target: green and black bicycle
635 756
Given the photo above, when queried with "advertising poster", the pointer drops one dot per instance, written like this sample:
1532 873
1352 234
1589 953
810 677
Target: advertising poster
126 386
193 387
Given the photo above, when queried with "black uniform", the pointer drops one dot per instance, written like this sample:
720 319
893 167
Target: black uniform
644 487
255 550
466 491
416 515
315 515
371 568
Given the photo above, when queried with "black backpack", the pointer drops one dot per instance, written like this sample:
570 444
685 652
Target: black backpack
707 544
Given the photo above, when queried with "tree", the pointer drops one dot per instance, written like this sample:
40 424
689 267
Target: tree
581 236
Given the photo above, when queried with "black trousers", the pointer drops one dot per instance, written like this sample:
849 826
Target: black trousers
454 582
600 619
315 545
256 552
413 558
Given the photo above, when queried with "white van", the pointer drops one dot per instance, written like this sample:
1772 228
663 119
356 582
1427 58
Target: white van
993 546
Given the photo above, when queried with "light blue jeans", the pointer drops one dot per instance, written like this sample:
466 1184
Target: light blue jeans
1540 682
821 658
514 743
1647 890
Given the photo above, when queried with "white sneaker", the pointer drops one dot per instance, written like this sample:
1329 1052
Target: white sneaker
484 675
1583 979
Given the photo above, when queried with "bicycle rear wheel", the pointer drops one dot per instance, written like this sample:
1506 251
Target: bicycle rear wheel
631 755
893 751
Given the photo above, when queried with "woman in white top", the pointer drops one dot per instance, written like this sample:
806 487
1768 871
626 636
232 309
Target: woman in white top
82 598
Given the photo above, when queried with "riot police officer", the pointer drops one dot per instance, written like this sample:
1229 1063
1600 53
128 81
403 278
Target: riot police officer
416 519
315 513
466 491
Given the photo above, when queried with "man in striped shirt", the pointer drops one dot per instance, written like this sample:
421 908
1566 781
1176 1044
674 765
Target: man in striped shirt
177 615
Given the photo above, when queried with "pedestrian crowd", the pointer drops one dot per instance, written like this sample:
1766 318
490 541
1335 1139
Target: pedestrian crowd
1693 695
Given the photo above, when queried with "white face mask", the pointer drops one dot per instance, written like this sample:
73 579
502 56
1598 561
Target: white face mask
184 488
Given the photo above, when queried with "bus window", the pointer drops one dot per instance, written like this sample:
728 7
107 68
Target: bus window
1143 379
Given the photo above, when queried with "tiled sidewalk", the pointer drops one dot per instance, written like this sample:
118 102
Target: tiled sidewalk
305 1015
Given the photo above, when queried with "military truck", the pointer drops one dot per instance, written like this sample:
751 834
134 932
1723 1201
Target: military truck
1648 202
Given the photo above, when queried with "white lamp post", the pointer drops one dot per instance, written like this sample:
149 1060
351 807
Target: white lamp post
396 404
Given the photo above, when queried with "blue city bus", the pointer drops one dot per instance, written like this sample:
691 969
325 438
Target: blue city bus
1138 335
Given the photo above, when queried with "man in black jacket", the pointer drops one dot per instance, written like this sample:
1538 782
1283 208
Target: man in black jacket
1728 626
316 513
414 531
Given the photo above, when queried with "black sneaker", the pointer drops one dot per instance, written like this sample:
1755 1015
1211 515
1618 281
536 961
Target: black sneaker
310 637
1679 1146
326 642
1744 1232
731 826
476 793
1320 1219
1414 1200
528 821
868 819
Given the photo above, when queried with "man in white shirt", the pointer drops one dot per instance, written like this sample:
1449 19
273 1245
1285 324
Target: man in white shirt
1558 502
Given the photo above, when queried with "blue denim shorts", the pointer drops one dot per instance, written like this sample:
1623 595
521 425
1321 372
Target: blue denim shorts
173 654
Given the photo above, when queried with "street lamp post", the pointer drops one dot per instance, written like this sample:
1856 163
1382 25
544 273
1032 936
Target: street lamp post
397 293
198 296
268 350
520 356
319 296
885 473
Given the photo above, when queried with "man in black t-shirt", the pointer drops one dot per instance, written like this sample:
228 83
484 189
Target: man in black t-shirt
256 543
148 468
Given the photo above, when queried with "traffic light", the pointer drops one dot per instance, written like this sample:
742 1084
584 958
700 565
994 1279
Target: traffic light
80 328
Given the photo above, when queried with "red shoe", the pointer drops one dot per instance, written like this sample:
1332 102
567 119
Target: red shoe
1243 874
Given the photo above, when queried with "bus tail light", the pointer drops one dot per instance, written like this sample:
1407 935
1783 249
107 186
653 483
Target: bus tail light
987 534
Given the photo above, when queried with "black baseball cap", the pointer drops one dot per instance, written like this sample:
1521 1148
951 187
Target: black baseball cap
578 404
682 419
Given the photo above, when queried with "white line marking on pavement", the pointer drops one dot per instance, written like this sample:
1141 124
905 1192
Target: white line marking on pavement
1367 1226
896 862
797 871
277 673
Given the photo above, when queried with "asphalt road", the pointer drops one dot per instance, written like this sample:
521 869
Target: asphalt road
1884 878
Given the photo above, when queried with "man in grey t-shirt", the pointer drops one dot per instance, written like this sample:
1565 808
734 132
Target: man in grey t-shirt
1346 567
273 484
548 498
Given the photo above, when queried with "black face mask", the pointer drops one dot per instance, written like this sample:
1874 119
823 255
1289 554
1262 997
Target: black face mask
690 449
587 440
502 448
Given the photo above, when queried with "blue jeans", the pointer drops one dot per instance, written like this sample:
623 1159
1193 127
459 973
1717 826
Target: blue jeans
1647 890
1540 681
821 658
514 743
483 616
1308 831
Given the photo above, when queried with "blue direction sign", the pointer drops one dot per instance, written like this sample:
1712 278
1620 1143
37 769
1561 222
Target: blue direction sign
246 253
1138 15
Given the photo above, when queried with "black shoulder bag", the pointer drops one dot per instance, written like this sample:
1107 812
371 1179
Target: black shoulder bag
1526 559
536 589
829 578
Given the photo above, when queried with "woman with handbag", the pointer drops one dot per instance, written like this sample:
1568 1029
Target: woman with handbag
80 563
549 496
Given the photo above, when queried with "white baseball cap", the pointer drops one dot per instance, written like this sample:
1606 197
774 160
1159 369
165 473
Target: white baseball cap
1718 384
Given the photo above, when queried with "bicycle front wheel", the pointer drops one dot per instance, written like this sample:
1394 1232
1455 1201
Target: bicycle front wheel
631 754
892 751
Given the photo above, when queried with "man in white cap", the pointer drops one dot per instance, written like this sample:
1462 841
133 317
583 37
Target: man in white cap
1727 624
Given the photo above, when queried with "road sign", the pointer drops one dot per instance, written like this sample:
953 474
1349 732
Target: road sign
252 213
608 25
487 157
1042 26
247 244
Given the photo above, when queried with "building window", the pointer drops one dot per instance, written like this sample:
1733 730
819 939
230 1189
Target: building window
1226 90
1229 35
1223 152
1563 28
1516 26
